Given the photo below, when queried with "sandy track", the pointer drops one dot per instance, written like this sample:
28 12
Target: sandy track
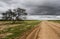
46 30
55 27
32 34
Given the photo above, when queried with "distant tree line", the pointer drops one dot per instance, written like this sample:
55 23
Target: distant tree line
14 14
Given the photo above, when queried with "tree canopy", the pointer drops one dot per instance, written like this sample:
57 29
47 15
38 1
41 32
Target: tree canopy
14 14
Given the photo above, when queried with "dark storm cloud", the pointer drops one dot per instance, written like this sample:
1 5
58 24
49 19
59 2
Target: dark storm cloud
44 7
51 7
32 6
46 10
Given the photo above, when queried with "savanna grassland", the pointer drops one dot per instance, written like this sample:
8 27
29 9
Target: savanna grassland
14 29
58 21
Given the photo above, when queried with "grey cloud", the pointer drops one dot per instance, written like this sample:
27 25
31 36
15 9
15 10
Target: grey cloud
46 10
32 6
51 7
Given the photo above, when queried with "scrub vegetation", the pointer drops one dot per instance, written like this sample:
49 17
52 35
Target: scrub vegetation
13 29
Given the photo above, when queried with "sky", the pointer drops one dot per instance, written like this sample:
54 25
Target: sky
33 7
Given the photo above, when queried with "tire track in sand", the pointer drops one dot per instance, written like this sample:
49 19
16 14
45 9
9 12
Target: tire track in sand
45 30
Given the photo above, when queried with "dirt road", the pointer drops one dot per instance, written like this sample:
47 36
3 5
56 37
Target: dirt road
46 30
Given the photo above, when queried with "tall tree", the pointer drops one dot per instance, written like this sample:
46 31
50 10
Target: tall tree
14 14
19 12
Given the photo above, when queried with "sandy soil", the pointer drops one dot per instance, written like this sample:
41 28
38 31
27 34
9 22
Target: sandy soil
46 30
